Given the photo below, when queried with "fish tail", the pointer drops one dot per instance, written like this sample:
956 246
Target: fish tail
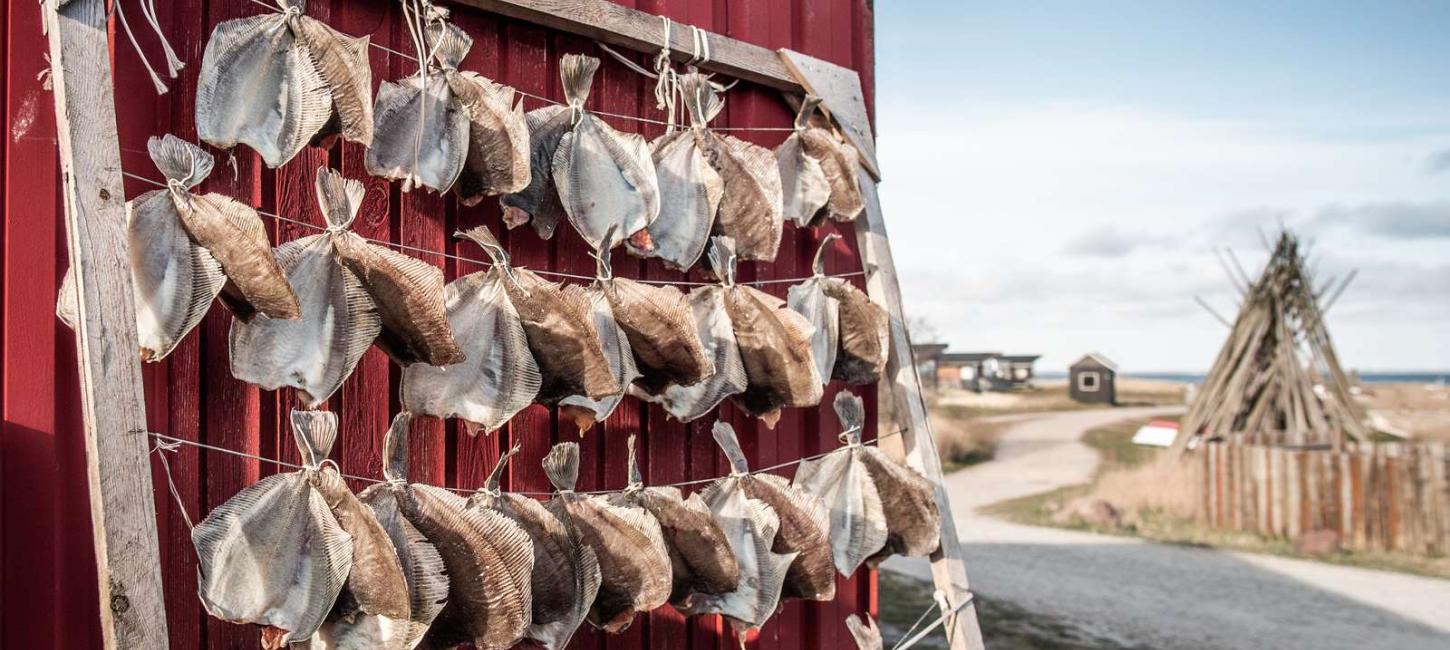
851 411
722 258
450 43
819 264
482 236
314 432
808 109
395 448
180 160
339 197
730 444
635 478
701 99
577 73
496 476
562 465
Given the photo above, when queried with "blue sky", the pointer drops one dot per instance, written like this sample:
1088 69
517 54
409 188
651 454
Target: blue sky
1060 174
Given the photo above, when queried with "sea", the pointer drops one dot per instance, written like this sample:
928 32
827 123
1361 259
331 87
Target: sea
1366 377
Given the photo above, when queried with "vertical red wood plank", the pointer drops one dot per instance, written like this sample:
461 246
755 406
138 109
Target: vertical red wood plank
364 407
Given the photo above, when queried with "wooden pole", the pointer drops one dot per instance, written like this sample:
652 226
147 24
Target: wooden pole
123 515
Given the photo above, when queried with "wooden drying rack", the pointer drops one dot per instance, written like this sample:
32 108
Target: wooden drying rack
133 613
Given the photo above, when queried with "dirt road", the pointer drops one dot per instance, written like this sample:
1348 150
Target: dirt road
1120 592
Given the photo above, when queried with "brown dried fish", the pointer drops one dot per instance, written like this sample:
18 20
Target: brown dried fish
662 331
775 344
272 82
582 410
700 555
634 563
498 138
423 567
865 334
751 527
750 209
566 573
560 325
858 522
805 531
913 522
489 558
498 376
805 189
840 166
274 555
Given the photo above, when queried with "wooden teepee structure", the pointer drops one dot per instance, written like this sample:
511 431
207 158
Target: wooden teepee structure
1277 379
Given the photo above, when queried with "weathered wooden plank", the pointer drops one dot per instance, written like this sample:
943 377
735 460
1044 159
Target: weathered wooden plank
615 24
123 515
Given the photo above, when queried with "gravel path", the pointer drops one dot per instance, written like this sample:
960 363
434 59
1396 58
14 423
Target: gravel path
1132 593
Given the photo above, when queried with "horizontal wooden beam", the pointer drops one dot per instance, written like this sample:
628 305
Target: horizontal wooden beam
614 24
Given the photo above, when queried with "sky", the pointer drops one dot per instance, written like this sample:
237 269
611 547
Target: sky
1060 178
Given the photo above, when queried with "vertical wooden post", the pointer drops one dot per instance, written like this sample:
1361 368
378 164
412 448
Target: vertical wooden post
123 515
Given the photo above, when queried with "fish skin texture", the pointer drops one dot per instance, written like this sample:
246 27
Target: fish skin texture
585 412
662 332
690 193
804 187
564 339
498 377
717 336
907 499
701 559
865 334
498 160
374 607
841 478
419 116
866 634
408 293
423 567
809 299
538 204
805 529
841 165
775 345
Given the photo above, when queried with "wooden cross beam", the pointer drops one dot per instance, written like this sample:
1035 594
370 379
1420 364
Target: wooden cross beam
123 515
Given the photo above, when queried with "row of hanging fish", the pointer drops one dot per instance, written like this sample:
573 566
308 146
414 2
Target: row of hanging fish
277 82
488 344
404 565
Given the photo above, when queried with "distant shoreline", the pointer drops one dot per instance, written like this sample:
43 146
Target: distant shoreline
1366 377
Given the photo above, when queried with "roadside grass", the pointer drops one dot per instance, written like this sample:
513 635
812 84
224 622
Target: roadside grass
1157 500
962 442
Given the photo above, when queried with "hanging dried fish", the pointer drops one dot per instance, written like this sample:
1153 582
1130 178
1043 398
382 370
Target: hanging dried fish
751 527
750 204
498 377
355 292
489 559
662 330
775 344
606 179
538 202
864 631
187 248
582 410
566 572
690 194
858 521
913 522
809 299
421 126
374 608
700 555
804 185
274 555
865 334
423 567
498 138
840 164
560 325
272 82
634 563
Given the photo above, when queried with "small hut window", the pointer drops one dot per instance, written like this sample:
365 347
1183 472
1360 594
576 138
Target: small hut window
1087 381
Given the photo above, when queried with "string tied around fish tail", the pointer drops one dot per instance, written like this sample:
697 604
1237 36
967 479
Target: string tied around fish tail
161 448
289 9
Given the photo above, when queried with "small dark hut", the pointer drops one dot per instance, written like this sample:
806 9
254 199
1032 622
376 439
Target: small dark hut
1092 380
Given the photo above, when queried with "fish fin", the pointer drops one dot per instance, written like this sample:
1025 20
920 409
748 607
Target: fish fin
314 432
395 448
342 62
722 258
730 444
577 73
340 198
495 476
561 465
450 43
851 412
180 160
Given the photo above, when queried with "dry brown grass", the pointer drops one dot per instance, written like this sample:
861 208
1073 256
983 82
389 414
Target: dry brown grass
965 441
1052 395
1413 409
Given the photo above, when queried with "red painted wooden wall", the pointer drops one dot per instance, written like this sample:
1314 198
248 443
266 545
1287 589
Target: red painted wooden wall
47 589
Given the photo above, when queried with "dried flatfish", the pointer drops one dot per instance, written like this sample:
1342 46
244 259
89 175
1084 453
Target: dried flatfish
422 565
274 555
374 608
751 527
700 555
913 522
864 631
272 82
865 334
585 411
858 522
538 204
566 573
717 336
498 377
661 330
488 557
634 563
775 344
606 179
421 126
690 194
560 325
840 166
498 138
750 208
809 299
804 187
